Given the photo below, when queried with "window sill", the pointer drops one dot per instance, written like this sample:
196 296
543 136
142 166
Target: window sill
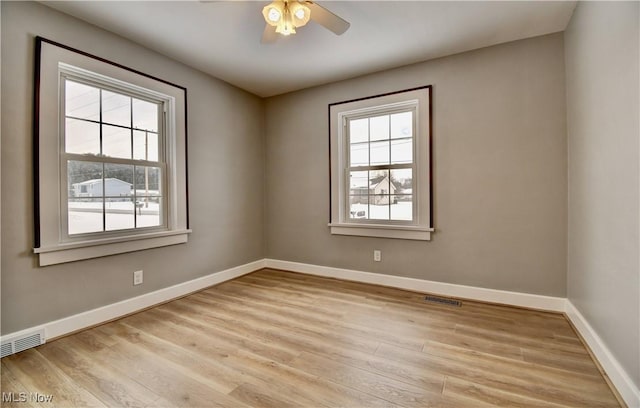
69 252
382 231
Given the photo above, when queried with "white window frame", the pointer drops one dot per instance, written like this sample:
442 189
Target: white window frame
417 100
167 104
54 245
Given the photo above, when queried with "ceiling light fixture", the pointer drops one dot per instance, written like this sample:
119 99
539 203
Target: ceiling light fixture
286 15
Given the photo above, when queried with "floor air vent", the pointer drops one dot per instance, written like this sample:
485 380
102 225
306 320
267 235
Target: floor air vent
7 348
443 301
16 344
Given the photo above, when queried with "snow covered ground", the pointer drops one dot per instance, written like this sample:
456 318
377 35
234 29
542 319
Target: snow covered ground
86 216
403 210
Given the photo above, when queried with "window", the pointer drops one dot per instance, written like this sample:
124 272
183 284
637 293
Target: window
380 166
111 158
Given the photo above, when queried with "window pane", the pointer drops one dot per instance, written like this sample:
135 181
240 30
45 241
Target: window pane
148 181
359 154
118 213
401 207
116 109
376 177
359 130
359 183
401 125
402 181
379 127
401 151
145 145
148 212
145 115
81 137
118 180
401 202
84 179
85 215
116 142
380 153
379 182
379 207
81 101
358 207
379 186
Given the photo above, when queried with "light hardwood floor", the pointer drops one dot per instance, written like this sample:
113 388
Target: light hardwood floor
280 339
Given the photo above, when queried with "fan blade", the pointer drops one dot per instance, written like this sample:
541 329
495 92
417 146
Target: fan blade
269 34
327 19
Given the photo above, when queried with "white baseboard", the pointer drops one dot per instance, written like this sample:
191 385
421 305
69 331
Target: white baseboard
103 314
618 376
555 304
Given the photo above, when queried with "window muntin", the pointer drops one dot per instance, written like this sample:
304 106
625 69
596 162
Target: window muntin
380 165
112 160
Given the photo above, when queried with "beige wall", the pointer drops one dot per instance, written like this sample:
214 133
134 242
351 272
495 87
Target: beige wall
500 161
226 166
601 48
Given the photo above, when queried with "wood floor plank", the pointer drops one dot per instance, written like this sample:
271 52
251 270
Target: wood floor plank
41 376
302 302
208 370
256 396
453 338
295 386
321 391
581 364
179 387
309 315
102 382
259 339
547 344
357 298
529 383
274 338
478 358
240 368
479 394
388 367
259 316
395 391
196 333
296 337
293 340
230 334
329 337
15 394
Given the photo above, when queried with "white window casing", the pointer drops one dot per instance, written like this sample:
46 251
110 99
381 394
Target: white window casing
419 225
55 64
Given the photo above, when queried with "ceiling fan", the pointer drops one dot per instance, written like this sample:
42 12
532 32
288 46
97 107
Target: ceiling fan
284 16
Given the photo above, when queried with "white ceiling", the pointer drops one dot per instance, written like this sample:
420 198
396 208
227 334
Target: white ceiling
222 38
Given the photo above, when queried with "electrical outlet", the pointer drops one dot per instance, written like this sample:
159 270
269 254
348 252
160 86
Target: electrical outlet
137 278
377 255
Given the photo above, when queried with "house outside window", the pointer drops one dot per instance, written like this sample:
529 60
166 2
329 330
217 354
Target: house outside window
380 166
